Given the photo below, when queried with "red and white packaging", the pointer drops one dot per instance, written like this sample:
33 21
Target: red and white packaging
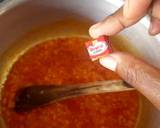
99 47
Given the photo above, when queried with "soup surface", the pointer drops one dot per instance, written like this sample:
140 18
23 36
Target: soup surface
66 61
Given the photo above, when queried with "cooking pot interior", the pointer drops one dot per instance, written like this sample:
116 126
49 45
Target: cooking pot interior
17 20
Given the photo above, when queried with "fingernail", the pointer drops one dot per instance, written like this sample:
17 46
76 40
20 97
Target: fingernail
108 62
95 26
93 30
151 29
154 29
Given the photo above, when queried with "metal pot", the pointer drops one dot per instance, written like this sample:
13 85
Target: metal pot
17 17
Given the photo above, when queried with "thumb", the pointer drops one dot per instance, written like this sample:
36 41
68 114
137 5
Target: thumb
144 77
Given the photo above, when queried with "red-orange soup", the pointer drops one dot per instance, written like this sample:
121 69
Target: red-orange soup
66 61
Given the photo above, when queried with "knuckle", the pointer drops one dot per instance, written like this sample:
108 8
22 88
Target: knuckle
133 74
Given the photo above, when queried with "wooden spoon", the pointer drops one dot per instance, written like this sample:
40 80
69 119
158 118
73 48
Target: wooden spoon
34 96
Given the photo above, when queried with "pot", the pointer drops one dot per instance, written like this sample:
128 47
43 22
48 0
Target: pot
17 17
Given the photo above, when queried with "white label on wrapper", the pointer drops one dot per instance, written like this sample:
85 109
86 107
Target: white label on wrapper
97 48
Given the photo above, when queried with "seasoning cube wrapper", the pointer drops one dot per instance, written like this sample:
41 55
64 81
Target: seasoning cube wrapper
99 47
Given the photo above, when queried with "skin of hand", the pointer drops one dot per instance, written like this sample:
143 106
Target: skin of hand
130 13
144 77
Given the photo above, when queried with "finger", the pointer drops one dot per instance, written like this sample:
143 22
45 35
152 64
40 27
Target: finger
142 76
154 26
155 18
129 14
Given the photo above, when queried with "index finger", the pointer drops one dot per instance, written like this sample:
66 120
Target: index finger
127 15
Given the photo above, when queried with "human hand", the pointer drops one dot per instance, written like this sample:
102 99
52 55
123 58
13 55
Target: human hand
130 13
144 77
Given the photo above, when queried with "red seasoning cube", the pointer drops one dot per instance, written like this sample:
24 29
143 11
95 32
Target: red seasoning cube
99 47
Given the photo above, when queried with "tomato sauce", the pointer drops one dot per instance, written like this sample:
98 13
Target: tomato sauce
66 61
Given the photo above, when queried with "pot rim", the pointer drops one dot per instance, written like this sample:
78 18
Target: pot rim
9 4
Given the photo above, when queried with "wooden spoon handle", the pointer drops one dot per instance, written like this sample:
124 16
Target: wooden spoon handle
35 96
